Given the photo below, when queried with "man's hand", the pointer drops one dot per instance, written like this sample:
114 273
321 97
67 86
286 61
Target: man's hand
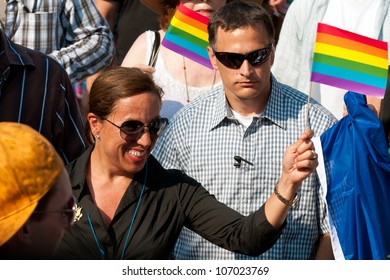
299 160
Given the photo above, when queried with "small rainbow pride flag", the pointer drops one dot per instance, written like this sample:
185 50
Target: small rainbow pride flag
350 61
187 35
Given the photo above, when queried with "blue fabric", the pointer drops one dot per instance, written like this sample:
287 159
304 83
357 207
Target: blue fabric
358 173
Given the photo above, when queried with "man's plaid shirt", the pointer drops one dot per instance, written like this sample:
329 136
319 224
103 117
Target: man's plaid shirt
202 140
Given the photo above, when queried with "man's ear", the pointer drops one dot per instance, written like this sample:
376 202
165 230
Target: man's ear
213 59
272 53
24 233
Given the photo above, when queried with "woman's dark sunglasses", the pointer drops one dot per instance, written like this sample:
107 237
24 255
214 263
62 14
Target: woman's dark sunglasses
133 130
68 214
235 60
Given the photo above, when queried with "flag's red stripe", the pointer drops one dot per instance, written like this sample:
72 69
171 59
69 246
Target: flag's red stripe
191 21
192 14
328 29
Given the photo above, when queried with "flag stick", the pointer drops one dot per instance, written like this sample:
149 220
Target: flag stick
308 107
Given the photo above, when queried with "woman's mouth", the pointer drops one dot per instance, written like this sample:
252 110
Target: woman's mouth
205 12
137 153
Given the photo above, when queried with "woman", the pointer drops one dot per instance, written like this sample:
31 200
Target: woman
130 207
182 79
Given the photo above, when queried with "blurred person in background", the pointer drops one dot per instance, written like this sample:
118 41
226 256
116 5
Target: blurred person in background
71 31
127 19
35 90
36 202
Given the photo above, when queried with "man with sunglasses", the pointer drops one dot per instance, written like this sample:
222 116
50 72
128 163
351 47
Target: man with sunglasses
36 202
232 140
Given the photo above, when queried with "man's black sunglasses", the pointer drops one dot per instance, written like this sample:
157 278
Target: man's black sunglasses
235 60
133 130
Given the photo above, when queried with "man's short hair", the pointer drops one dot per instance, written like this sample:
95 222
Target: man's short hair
239 14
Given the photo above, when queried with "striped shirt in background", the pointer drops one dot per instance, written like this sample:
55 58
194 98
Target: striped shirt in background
72 32
2 11
202 140
35 90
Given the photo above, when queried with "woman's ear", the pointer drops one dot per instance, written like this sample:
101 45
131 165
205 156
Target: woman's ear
94 123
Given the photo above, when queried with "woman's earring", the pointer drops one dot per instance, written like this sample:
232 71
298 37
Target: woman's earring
97 137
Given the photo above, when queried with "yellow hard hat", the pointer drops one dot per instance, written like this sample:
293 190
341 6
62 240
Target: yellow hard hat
29 167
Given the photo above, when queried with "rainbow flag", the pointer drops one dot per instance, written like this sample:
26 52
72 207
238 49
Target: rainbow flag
350 61
187 35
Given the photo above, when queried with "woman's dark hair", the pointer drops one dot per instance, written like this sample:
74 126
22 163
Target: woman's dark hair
169 8
114 84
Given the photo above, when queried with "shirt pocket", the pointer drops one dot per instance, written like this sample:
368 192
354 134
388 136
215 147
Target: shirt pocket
38 30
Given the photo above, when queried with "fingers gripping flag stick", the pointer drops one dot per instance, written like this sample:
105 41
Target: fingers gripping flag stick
187 35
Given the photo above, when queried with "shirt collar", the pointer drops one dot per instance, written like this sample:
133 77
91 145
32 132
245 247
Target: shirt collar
12 54
77 171
275 109
222 110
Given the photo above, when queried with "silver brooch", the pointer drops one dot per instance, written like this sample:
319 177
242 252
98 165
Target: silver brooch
78 214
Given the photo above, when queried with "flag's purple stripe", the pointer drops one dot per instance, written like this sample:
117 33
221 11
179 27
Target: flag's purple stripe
187 53
350 75
348 85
